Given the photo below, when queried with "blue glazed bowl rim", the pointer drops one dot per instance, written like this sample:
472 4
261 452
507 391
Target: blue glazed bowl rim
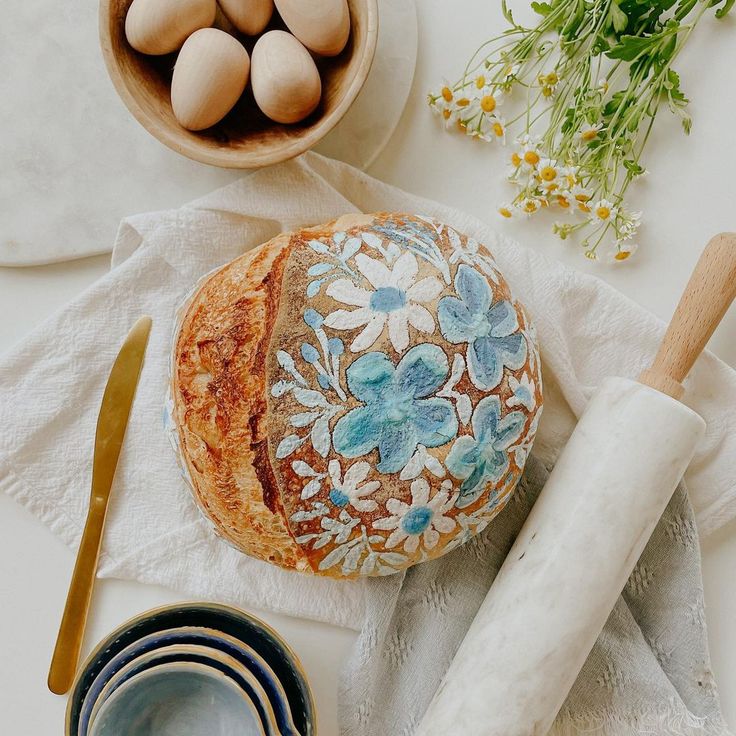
228 619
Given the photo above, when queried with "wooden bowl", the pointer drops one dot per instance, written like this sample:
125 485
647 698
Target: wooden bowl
245 138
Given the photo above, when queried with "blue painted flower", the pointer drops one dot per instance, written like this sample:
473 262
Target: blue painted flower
396 415
491 330
483 458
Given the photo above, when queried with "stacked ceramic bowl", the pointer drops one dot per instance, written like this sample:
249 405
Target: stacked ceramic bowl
196 669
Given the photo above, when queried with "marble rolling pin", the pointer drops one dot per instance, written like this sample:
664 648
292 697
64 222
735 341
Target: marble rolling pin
585 533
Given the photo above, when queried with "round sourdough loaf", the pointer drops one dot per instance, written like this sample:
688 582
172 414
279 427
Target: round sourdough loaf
354 398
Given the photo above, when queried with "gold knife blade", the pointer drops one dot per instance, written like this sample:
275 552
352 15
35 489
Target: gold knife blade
111 423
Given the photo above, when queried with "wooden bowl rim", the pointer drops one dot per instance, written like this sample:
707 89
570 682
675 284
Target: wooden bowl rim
227 157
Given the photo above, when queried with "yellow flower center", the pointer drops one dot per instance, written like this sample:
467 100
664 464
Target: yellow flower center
551 79
498 130
548 173
563 201
530 206
463 102
505 212
480 82
461 126
532 158
447 94
446 114
603 212
583 207
589 135
572 180
488 103
516 159
622 255
547 91
582 197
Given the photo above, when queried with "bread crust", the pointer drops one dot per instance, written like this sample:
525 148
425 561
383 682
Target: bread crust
220 408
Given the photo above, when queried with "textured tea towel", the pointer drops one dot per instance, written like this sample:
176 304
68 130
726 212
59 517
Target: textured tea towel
649 672
52 382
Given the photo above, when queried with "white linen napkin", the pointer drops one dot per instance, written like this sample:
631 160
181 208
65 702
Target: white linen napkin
51 383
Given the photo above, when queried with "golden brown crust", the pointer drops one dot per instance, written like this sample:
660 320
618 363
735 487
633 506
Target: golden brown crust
219 397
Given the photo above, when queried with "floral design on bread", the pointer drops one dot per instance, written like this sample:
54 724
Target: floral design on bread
374 405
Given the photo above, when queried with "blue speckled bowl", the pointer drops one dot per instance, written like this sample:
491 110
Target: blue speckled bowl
178 699
228 629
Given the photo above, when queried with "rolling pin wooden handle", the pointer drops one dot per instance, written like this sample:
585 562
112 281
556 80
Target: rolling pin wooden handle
707 296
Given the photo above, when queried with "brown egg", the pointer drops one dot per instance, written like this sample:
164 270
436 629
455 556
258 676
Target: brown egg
248 16
210 74
284 77
323 26
161 26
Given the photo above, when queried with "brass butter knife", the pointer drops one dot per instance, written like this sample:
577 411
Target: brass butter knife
111 424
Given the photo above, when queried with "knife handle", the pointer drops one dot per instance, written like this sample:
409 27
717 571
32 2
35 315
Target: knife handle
71 630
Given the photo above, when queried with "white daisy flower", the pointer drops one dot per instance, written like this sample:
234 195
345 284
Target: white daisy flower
351 489
590 132
530 155
424 519
396 299
623 251
604 210
549 173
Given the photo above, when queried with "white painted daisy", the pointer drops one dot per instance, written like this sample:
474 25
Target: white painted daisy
396 299
424 518
350 489
524 392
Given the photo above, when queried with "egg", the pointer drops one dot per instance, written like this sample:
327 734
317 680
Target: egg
209 76
248 16
284 77
323 26
161 26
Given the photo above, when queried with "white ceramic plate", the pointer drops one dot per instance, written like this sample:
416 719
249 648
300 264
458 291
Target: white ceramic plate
75 162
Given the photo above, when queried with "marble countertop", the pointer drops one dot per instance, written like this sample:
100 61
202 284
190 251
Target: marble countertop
686 199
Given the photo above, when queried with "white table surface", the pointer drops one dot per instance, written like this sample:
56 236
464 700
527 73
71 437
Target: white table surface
687 198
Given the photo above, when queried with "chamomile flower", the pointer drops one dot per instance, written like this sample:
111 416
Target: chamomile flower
530 155
624 250
497 127
569 175
506 211
628 224
590 132
548 172
604 210
530 205
563 200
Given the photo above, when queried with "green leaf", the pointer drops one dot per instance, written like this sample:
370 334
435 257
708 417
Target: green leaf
630 47
614 103
542 8
619 19
672 85
633 167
